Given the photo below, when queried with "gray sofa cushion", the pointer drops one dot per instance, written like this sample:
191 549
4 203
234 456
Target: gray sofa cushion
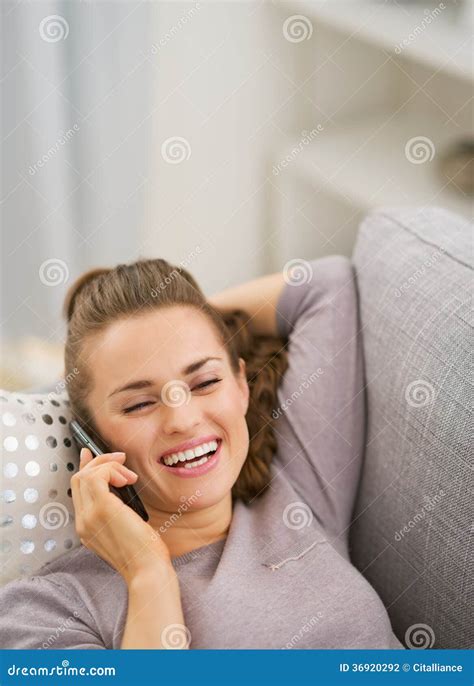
414 512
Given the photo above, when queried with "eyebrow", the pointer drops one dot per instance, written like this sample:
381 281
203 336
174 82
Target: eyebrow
146 383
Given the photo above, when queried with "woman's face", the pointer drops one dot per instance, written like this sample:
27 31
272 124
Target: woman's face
171 405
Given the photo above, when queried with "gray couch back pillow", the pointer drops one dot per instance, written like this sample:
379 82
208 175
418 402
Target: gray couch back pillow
414 513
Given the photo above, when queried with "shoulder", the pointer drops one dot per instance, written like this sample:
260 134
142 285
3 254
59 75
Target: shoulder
74 574
80 561
63 605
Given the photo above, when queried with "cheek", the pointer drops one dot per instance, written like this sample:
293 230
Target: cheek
229 411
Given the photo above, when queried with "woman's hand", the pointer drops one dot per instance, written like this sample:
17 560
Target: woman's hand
106 525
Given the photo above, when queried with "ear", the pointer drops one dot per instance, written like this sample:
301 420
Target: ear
243 385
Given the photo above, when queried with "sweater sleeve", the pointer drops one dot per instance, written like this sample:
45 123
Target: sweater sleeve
320 417
37 613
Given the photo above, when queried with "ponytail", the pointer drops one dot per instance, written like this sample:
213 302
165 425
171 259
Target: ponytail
266 361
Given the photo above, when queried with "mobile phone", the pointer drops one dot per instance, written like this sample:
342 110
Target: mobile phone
127 494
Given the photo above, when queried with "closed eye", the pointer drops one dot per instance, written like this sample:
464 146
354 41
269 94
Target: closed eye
208 383
205 384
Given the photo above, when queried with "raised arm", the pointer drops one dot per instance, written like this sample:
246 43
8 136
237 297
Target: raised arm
258 297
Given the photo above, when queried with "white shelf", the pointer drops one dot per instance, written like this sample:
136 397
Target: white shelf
445 44
365 163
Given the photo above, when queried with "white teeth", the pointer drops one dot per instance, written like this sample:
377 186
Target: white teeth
189 454
191 465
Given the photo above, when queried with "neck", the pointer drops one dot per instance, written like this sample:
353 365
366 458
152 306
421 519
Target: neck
183 531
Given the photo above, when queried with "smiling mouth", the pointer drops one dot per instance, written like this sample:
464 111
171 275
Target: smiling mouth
201 459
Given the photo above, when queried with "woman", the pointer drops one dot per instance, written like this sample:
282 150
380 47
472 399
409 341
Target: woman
248 549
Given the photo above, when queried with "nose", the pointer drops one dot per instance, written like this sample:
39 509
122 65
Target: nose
182 419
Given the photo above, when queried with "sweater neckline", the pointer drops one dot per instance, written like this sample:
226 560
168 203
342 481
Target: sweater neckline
198 552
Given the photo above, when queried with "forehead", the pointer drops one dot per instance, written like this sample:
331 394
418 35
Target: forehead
154 344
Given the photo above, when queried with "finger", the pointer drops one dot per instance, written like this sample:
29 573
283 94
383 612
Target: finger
85 457
129 473
81 496
125 472
106 457
114 468
97 482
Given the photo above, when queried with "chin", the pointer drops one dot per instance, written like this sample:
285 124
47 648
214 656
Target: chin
198 496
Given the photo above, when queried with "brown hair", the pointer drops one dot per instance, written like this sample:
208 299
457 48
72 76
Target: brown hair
101 296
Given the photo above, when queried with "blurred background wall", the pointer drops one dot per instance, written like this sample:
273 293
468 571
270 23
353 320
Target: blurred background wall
228 136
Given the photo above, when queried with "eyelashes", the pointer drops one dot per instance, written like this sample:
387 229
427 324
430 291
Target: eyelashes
134 408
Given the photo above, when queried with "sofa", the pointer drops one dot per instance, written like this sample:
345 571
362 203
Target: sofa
414 511
412 527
